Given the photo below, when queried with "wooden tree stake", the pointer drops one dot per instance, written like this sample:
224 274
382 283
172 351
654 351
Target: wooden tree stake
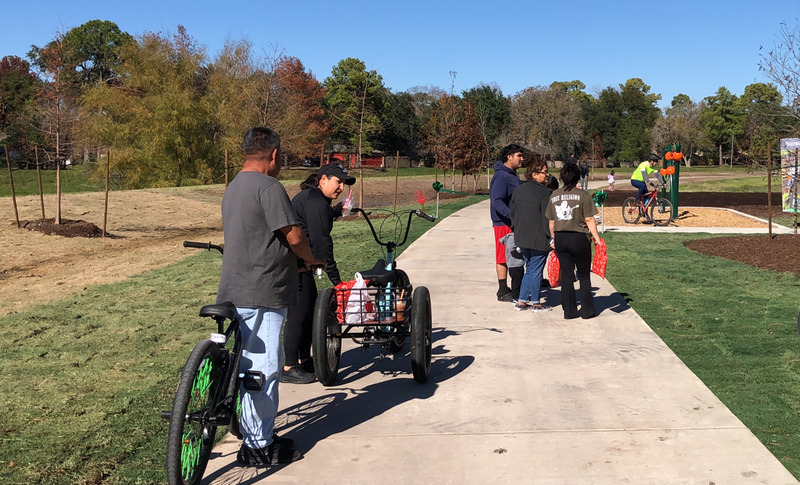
226 168
108 171
39 176
769 187
13 193
396 179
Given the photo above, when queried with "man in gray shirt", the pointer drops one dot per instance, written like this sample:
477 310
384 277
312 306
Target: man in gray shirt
263 240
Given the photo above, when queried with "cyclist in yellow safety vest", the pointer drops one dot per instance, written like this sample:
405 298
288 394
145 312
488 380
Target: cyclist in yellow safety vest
640 178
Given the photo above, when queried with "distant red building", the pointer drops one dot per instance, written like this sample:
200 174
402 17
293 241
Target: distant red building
376 162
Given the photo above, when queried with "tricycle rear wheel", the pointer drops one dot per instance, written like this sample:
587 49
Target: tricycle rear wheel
421 334
326 339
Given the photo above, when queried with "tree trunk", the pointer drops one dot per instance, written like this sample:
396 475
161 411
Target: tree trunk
720 155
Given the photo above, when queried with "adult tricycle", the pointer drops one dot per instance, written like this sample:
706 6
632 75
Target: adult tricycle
386 311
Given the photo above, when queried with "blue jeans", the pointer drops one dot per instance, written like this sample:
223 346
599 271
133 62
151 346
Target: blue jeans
532 281
261 351
641 188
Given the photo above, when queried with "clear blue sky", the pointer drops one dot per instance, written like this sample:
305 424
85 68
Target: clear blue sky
690 47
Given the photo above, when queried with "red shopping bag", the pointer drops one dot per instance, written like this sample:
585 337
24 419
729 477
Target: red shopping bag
553 270
342 295
600 260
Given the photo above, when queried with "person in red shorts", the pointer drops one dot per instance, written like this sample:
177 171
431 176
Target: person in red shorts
503 183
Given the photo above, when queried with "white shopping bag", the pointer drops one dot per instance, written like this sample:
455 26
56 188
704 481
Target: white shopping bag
360 307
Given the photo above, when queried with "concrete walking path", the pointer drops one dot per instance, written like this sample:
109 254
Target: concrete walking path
514 397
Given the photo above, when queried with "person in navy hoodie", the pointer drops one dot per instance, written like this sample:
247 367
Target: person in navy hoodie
503 183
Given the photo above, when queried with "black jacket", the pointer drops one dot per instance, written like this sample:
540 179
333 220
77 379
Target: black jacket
316 216
531 227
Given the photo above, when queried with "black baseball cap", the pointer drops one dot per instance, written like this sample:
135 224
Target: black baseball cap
337 170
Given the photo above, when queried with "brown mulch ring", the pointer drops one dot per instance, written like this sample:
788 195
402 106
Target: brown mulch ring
776 254
67 228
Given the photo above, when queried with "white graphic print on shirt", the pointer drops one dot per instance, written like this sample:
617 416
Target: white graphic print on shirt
564 211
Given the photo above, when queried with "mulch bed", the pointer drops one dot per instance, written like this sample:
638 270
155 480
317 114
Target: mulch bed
67 228
781 253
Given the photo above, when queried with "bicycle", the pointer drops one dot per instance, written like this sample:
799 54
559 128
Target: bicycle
654 208
207 394
399 312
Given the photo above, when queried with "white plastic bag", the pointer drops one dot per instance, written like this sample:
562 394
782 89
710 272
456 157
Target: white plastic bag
360 307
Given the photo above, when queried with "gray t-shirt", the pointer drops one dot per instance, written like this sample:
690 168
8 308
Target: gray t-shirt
259 269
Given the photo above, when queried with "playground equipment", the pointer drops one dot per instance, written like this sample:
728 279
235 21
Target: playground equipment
672 163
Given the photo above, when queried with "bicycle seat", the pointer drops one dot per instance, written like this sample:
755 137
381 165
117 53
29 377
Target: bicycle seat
378 274
225 309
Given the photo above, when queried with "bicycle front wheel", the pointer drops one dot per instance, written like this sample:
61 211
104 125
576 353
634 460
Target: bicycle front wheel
661 212
191 437
630 210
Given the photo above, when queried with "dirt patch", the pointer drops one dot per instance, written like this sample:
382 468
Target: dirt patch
150 225
67 228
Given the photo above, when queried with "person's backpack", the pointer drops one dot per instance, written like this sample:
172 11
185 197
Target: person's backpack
584 170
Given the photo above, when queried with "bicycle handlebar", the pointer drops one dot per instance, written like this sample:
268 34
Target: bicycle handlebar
425 216
391 244
199 245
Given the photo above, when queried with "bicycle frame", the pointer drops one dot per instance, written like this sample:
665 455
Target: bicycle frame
650 197
223 401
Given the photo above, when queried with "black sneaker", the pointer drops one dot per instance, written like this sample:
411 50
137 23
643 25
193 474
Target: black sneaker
296 375
285 442
505 295
274 454
308 365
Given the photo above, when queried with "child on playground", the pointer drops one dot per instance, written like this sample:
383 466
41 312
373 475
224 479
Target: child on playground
611 181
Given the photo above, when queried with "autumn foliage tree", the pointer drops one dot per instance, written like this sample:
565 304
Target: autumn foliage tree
18 89
454 137
157 117
275 91
57 104
301 118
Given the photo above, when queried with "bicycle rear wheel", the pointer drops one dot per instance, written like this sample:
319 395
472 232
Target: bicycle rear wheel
661 212
630 210
191 437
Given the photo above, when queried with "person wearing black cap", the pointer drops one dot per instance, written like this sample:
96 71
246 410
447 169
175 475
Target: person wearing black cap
312 207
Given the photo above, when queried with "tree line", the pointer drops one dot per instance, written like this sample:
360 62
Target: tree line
169 111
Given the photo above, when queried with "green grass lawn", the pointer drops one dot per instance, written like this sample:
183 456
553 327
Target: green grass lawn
756 183
26 182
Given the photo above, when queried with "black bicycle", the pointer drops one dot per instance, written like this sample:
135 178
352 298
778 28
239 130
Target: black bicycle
388 312
207 395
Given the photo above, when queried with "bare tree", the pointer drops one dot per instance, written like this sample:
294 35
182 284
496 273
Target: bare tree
57 104
781 64
546 119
